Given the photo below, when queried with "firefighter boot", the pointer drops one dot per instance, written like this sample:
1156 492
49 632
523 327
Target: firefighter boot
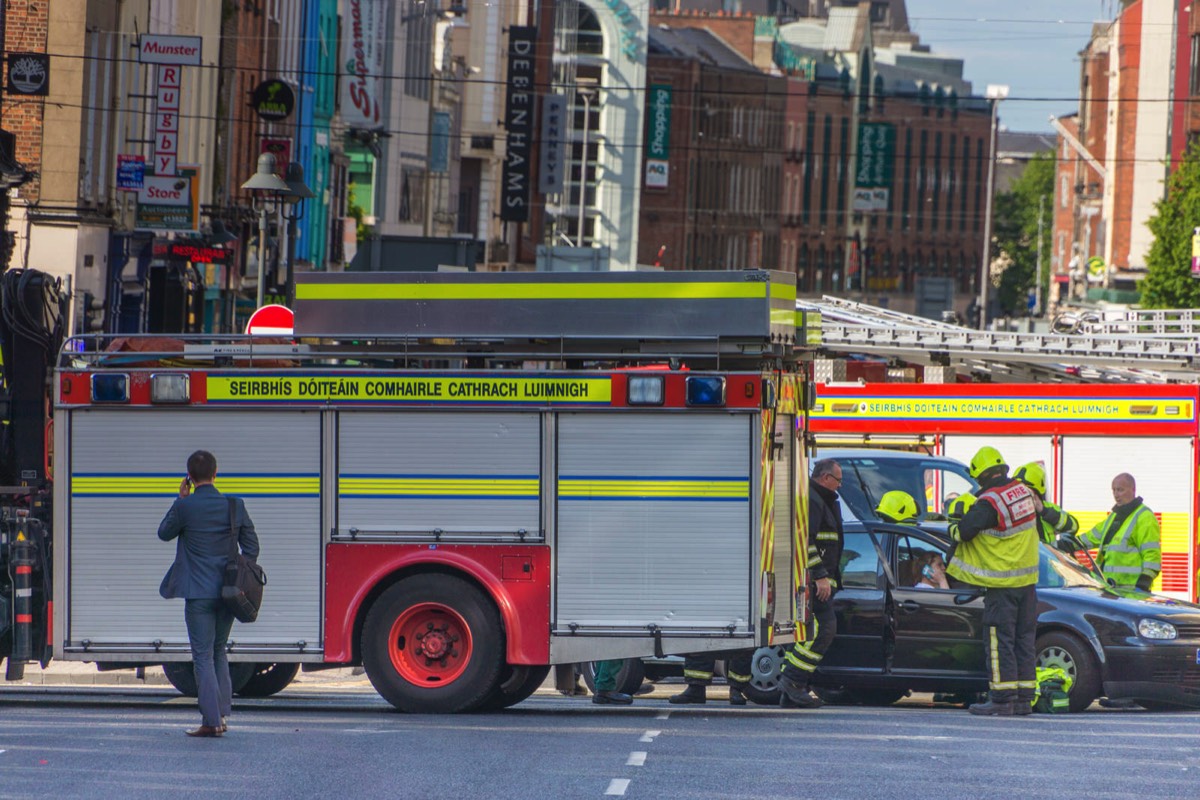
736 698
992 709
794 695
694 693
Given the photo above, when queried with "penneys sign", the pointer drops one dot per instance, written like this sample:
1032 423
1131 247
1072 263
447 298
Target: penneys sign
518 121
362 42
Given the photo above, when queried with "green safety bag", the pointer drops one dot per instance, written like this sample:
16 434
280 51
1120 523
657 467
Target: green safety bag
1052 693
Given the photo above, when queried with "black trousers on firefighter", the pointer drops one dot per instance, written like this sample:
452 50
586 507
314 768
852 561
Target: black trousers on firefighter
1009 633
804 657
698 668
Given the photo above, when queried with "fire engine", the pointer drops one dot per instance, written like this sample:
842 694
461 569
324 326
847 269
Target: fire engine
1116 394
459 480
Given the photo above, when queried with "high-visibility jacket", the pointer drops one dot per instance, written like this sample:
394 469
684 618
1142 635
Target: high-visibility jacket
1133 546
1006 553
1054 522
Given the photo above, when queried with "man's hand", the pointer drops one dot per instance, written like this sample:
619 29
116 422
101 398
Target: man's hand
824 589
185 487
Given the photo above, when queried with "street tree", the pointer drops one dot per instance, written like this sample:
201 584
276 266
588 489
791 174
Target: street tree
1169 282
1016 232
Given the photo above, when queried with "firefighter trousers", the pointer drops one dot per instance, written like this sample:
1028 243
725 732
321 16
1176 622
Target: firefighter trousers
1009 633
698 668
803 659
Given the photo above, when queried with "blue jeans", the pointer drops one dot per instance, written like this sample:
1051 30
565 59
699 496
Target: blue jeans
208 624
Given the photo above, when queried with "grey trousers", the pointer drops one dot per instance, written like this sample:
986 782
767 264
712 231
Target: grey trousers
208 625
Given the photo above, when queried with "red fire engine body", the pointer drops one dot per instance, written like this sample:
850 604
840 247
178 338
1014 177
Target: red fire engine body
1084 435
455 479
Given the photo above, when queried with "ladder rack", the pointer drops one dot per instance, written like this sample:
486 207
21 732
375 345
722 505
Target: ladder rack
1115 357
1140 322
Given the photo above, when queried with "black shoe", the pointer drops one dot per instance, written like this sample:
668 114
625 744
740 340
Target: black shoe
736 698
693 694
804 700
645 688
1022 708
1122 703
992 709
612 698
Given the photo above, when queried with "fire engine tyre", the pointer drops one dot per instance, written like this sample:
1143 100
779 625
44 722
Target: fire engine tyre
629 679
1067 652
182 675
765 665
517 683
269 679
433 644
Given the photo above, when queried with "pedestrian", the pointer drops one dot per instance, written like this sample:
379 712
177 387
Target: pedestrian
1053 522
1128 540
997 549
825 576
698 674
606 683
898 508
200 522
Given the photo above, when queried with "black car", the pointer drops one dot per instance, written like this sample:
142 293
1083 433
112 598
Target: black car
893 638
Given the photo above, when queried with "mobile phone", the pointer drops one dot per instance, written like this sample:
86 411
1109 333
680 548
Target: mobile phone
927 571
188 480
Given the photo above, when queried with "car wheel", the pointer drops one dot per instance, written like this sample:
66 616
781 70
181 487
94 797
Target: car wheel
765 665
1072 656
269 679
629 679
517 683
433 644
182 675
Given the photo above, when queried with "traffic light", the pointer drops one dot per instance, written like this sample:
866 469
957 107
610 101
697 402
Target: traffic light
93 314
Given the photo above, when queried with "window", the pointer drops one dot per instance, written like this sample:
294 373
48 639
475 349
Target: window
1194 71
911 554
860 562
931 481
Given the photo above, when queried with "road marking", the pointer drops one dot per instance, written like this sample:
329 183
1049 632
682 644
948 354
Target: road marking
663 715
617 786
648 736
636 759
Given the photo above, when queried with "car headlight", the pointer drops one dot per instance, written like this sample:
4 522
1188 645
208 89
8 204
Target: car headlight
1156 629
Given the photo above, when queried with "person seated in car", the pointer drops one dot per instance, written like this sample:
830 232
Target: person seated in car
931 569
898 508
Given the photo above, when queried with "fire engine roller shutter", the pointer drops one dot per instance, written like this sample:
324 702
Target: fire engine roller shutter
1163 468
125 471
473 475
1017 451
654 521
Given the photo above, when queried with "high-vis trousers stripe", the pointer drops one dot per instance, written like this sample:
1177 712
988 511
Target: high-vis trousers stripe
804 657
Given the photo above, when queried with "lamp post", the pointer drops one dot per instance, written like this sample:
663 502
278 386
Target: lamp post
293 209
268 186
995 93
221 236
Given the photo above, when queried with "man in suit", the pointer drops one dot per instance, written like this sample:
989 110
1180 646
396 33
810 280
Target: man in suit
200 522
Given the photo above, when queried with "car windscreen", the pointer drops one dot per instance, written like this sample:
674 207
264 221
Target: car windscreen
1057 570
932 483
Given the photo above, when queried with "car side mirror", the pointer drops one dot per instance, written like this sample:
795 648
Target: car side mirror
966 597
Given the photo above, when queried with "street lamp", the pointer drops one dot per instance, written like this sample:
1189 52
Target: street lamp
268 187
293 209
995 93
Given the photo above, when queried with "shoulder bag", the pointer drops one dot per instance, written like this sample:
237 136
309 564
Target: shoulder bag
244 578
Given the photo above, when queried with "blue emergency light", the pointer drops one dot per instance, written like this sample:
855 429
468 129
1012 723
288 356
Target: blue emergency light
708 391
110 387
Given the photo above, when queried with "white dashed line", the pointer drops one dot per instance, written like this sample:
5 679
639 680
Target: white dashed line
636 759
617 786
663 715
648 736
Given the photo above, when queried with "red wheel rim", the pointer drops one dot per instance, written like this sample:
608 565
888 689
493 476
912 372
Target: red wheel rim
430 645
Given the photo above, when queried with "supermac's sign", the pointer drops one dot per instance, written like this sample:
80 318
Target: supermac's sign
156 49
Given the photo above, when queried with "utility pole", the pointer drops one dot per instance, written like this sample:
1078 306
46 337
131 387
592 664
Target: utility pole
1039 305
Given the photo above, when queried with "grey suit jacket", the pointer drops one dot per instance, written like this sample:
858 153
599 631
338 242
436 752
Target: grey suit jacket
200 523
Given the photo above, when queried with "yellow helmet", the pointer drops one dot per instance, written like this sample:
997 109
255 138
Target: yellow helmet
960 506
985 459
1034 474
896 506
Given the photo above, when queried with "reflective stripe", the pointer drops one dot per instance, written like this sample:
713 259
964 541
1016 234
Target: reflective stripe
993 655
1122 570
980 572
799 663
167 485
737 676
804 650
827 535
665 488
695 673
1002 686
1027 684
1010 532
465 487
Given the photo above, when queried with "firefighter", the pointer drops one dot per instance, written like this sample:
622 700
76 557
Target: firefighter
698 674
1053 522
958 509
997 549
824 564
898 508
1128 540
